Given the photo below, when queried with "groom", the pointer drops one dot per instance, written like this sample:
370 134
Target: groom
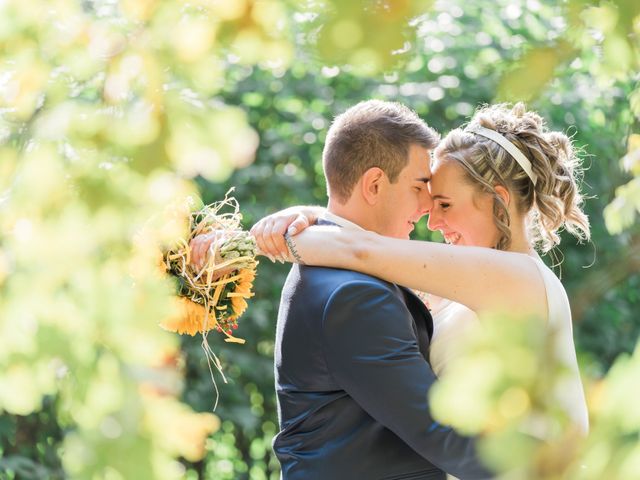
352 376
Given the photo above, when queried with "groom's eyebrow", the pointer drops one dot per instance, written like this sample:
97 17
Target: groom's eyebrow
423 179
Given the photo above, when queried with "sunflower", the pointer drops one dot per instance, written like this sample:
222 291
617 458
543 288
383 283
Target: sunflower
189 320
241 293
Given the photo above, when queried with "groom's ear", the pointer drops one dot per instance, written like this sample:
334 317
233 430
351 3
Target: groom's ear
371 184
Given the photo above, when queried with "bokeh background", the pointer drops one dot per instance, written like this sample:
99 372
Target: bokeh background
113 111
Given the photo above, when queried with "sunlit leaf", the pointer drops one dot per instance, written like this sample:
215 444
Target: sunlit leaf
365 35
533 72
19 393
622 211
631 161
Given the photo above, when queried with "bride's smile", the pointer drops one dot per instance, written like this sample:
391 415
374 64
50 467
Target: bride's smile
463 215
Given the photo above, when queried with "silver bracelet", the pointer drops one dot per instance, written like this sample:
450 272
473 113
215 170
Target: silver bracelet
292 248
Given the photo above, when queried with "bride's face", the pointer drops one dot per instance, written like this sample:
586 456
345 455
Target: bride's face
460 212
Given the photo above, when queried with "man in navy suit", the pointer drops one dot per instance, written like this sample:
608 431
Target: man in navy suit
352 376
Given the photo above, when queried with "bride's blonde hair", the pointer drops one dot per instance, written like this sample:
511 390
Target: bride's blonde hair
555 201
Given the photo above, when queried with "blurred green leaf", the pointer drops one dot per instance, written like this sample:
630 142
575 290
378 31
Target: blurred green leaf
533 72
621 213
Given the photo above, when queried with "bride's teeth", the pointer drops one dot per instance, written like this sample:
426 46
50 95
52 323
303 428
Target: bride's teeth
453 239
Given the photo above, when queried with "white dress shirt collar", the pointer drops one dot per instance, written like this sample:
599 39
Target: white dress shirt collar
338 220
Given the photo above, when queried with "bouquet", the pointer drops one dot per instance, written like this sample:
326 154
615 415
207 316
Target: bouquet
214 296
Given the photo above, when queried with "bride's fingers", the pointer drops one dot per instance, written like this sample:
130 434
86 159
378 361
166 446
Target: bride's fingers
263 240
277 237
202 244
258 232
257 228
199 247
299 224
194 249
269 240
269 234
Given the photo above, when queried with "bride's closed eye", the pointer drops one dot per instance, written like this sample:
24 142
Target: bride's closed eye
444 205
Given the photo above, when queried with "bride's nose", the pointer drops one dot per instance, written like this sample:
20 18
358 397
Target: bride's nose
435 220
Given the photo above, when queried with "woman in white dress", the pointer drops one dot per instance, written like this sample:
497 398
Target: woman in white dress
504 182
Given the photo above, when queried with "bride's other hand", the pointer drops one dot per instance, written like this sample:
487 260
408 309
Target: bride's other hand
269 231
200 246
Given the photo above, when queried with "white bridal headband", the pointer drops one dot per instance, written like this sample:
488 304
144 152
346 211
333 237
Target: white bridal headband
508 146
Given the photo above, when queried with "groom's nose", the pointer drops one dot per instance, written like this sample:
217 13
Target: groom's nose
426 202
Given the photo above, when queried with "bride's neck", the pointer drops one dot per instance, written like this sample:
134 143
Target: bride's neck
520 242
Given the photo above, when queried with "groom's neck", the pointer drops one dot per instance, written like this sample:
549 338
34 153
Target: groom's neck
354 213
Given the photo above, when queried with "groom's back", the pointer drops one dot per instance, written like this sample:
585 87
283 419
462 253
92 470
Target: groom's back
328 429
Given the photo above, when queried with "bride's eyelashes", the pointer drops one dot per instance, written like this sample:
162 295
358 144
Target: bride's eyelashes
444 205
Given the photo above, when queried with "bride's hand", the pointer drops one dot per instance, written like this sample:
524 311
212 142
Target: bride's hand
269 231
200 246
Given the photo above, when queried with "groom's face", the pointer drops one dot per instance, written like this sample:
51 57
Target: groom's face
408 199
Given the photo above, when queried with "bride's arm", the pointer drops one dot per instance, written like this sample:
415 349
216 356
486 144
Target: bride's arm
483 279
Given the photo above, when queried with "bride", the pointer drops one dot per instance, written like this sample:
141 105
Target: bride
502 188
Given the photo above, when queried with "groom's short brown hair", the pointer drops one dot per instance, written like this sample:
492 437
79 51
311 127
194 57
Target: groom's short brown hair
370 134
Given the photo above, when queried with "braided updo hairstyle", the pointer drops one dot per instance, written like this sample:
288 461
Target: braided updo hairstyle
554 203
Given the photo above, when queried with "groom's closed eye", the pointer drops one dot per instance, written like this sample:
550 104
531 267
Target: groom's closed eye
422 184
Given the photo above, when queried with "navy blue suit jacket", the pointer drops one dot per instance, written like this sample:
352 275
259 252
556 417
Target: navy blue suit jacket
352 379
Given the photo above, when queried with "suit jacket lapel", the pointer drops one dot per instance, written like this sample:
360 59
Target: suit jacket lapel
422 319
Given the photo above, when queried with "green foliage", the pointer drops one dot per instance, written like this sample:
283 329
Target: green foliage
611 451
621 213
108 109
366 36
104 118
604 37
20 455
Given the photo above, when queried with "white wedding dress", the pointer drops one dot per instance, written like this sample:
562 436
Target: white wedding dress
451 320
